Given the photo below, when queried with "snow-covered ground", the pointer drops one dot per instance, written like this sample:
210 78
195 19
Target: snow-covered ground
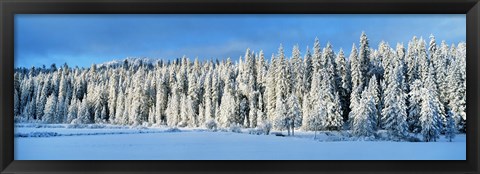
62 142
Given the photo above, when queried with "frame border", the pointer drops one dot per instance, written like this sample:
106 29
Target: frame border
8 9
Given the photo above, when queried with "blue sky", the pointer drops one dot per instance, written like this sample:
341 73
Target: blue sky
81 40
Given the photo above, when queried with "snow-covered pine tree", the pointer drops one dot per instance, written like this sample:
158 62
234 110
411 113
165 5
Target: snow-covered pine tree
26 92
127 108
62 103
112 94
317 57
333 119
185 110
451 129
182 76
344 83
456 94
400 58
414 101
140 99
42 100
430 113
318 113
461 57
173 108
120 108
442 72
271 96
243 113
16 103
390 60
328 56
376 61
422 60
194 100
364 57
411 62
84 113
312 104
261 68
394 113
207 98
364 124
439 64
357 82
282 91
309 70
253 108
50 110
297 73
72 111
215 94
294 113
373 92
161 98
229 105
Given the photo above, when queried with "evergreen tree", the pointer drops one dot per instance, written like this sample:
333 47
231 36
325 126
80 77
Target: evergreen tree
451 128
423 62
294 113
72 111
411 62
194 100
112 95
173 108
364 123
297 73
308 65
270 89
344 83
330 99
282 92
442 72
229 104
456 97
16 103
373 92
414 101
430 113
50 110
161 99
394 113
62 103
119 109
253 108
42 100
364 58
207 98
317 56
461 58
357 81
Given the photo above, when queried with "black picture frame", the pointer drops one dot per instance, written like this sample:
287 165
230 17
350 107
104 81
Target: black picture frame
8 8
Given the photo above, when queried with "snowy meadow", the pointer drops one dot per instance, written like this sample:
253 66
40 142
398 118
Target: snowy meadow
112 142
369 104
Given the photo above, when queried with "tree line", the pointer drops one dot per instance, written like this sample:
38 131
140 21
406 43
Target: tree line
418 89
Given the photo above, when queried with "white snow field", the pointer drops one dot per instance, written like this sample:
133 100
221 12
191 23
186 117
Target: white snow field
123 143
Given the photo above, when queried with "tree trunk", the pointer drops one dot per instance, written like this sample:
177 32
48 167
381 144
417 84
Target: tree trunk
293 130
293 127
